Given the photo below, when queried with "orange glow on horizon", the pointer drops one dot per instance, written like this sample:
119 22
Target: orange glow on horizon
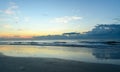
30 34
27 34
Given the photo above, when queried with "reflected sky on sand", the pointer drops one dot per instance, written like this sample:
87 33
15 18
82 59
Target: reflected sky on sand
94 55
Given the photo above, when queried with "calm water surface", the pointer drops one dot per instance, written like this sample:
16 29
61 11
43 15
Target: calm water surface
94 55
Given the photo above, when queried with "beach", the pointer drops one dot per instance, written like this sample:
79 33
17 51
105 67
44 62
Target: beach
30 64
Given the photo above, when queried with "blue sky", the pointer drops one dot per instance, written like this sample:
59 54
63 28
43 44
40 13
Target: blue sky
44 17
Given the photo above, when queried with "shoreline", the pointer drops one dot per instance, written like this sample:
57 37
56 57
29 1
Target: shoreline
29 64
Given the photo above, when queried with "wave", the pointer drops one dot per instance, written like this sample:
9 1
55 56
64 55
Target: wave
89 44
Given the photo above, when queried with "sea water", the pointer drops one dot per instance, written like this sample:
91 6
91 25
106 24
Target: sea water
90 51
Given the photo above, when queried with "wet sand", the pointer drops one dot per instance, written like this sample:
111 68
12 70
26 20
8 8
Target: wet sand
22 64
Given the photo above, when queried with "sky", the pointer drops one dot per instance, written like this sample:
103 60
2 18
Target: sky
27 18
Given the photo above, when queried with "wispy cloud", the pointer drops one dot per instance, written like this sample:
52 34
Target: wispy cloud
7 26
65 19
11 9
17 19
4 19
26 19
12 12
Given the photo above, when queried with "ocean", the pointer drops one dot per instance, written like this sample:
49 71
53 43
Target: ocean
93 51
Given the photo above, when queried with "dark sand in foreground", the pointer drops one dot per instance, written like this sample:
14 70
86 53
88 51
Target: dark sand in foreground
21 64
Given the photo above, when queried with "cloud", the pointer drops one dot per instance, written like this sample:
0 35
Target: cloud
13 5
116 20
17 19
7 26
13 13
20 29
4 19
11 9
26 19
65 19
